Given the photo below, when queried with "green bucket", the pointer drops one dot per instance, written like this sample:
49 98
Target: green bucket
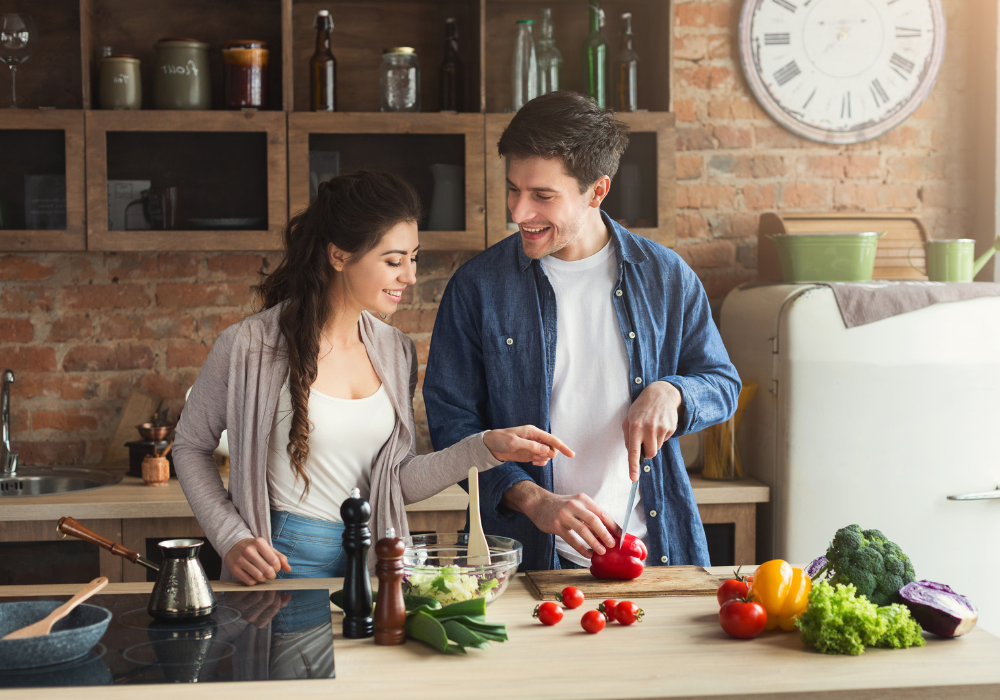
827 257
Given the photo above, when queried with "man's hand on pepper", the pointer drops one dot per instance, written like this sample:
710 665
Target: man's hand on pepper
652 419
563 515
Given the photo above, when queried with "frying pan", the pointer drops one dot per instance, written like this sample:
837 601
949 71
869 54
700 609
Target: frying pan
70 638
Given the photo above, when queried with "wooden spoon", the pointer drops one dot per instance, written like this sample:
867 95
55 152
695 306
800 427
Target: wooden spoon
478 548
44 626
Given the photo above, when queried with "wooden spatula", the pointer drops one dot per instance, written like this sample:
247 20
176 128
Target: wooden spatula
44 626
478 549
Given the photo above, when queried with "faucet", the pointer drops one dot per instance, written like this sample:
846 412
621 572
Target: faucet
8 459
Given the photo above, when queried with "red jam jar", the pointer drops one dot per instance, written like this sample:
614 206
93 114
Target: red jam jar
244 66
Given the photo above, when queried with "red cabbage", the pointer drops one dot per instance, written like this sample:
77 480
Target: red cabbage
816 566
938 609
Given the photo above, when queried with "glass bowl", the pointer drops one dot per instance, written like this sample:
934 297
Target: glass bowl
438 566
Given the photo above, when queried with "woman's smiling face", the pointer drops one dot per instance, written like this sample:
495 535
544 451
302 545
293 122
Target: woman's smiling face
375 281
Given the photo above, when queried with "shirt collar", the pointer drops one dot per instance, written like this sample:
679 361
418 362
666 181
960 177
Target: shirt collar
625 246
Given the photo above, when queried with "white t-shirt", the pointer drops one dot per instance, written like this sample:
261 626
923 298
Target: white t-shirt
345 437
590 389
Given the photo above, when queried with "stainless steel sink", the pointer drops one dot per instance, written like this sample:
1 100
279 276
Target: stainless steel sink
40 481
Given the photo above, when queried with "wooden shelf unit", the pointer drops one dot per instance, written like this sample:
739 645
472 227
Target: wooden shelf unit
646 128
272 125
71 123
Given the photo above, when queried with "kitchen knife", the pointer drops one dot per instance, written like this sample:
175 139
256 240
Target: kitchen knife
628 513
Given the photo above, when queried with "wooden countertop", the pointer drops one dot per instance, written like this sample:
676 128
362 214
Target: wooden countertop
133 499
677 651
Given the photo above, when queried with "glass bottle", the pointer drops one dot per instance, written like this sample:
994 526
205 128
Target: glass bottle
452 72
524 77
549 57
595 58
627 70
323 67
399 79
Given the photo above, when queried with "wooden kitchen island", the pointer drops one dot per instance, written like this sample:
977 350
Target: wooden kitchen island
135 514
677 651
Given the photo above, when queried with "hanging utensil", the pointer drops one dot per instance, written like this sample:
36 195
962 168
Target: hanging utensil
44 626
479 550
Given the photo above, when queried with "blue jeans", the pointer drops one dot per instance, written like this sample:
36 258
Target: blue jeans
314 547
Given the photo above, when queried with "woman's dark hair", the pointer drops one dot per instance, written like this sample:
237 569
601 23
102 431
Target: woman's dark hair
352 212
568 125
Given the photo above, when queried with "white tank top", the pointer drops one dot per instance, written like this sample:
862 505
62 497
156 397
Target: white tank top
345 437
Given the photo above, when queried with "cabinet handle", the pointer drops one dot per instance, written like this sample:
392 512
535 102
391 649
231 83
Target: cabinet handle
982 496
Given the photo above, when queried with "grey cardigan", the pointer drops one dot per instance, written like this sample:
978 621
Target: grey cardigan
237 389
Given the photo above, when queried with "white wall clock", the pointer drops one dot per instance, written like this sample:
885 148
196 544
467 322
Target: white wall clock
841 71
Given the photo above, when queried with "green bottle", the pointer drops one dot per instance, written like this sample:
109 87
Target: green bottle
595 58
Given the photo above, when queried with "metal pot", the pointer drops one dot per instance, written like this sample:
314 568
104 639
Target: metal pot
181 590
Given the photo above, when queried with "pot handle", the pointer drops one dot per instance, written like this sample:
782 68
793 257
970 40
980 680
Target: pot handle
69 526
922 272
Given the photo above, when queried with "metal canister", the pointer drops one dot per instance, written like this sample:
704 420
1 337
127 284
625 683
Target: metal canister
180 75
244 66
120 82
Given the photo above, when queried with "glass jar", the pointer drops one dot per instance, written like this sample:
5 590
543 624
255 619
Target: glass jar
244 78
180 75
399 79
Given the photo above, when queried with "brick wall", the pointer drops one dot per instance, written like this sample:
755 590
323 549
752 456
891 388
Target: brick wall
81 330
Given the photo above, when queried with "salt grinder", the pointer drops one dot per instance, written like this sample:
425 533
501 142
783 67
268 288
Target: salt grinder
390 611
355 512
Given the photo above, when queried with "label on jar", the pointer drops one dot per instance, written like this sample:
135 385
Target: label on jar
189 69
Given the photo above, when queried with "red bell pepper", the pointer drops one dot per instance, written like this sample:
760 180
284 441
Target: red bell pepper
623 562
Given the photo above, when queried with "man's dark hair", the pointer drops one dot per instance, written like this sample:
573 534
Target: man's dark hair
567 125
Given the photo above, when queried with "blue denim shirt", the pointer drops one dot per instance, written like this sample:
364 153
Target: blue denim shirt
492 360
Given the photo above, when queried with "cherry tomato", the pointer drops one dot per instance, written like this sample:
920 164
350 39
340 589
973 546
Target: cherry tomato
571 597
593 621
742 619
627 612
608 608
548 613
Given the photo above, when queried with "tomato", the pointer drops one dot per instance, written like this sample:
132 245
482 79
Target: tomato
571 597
742 619
627 612
593 621
548 613
731 590
608 608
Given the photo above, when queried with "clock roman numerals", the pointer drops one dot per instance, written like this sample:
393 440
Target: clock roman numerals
786 5
782 39
787 72
879 93
902 65
908 33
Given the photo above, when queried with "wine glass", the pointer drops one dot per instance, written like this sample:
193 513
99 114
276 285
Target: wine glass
17 38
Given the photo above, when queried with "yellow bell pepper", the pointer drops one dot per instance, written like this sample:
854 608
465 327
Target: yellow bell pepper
782 591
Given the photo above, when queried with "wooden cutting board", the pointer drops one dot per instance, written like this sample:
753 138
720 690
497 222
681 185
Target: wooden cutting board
655 581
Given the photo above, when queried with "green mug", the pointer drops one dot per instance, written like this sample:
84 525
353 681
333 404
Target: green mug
953 260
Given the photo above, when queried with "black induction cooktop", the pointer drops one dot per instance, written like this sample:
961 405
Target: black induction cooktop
253 635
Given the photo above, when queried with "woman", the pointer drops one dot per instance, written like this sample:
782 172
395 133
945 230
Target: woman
316 394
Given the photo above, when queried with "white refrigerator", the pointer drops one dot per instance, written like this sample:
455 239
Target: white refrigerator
876 425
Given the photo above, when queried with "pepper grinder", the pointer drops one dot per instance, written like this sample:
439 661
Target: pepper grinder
355 512
390 612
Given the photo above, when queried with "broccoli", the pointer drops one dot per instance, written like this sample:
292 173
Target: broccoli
876 566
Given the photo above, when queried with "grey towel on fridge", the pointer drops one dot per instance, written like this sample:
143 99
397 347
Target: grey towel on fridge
867 302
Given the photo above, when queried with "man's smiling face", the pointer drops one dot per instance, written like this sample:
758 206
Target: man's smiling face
546 204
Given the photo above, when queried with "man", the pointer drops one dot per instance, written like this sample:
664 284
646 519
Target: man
600 336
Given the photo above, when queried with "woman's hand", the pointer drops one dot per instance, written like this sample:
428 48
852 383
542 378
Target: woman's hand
254 560
525 443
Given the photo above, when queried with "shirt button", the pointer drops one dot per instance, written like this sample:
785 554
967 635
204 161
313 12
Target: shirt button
631 335
646 468
652 513
664 558
510 341
638 380
618 292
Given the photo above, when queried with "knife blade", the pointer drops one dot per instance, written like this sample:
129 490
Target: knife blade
628 513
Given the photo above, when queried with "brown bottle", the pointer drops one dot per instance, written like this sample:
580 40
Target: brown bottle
323 67
452 72
390 609
627 70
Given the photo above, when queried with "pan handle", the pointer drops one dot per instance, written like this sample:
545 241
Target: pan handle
69 526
